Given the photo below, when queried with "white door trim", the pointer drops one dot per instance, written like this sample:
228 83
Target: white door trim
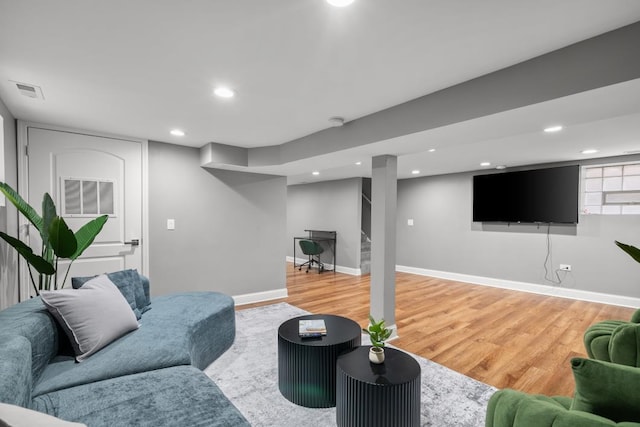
23 190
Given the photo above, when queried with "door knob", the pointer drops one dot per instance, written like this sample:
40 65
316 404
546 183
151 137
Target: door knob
133 242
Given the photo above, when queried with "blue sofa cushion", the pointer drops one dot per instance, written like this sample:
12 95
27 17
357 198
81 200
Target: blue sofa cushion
146 290
130 284
31 320
192 328
178 396
15 370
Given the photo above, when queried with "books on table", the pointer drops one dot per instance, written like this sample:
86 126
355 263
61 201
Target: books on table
312 328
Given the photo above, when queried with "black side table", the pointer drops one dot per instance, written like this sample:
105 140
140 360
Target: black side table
384 395
307 366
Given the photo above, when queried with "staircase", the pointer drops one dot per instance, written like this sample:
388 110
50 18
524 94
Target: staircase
365 228
365 254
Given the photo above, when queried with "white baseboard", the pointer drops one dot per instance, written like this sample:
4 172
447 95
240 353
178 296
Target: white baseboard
260 296
340 269
555 291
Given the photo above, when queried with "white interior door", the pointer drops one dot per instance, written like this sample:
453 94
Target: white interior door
87 176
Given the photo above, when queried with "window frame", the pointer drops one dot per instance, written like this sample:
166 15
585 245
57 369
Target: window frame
584 209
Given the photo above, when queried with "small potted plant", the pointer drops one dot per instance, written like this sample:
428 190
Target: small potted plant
379 334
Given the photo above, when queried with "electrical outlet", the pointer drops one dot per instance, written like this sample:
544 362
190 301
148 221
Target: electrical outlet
565 267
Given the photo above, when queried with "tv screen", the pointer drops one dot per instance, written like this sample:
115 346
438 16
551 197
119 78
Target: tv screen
540 195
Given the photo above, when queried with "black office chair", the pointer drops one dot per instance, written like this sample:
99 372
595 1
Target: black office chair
312 250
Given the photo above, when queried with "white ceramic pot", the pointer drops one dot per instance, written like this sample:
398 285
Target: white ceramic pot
376 355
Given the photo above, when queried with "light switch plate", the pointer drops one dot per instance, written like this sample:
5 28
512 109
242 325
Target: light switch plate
171 224
410 222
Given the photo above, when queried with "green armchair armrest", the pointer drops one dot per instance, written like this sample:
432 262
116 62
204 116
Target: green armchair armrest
511 408
615 341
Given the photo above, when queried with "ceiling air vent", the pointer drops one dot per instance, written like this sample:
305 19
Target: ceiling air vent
31 91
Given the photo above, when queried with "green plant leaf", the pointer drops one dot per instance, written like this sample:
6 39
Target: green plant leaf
63 241
377 331
23 207
48 214
631 250
87 233
39 263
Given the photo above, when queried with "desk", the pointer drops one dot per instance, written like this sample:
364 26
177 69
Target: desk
325 238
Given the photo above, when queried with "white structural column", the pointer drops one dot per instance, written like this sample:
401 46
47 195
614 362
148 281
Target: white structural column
384 189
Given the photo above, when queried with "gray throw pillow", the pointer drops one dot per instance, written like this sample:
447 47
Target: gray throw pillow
129 283
92 316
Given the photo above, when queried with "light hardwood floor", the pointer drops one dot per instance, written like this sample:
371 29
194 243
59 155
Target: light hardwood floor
501 337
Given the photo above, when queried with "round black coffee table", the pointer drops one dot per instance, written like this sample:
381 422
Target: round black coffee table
371 395
307 366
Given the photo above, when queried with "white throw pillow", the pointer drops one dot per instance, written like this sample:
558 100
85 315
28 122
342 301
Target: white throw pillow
92 316
17 416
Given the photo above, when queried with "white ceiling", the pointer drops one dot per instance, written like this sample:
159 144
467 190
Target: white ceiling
141 68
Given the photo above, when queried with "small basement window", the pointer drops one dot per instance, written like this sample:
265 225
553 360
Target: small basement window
611 189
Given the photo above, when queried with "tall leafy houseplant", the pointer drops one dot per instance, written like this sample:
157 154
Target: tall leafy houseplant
58 240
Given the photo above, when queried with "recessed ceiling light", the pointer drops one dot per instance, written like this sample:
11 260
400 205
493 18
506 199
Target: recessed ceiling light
316 173
485 164
500 167
431 150
415 171
552 129
177 132
358 163
589 151
340 3
224 92
336 122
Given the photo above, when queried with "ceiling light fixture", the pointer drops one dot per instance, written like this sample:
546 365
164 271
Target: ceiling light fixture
224 92
431 150
315 173
501 167
552 129
340 3
415 172
177 132
358 163
589 151
485 164
336 122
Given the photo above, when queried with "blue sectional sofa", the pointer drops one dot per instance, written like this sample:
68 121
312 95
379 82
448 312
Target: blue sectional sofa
151 376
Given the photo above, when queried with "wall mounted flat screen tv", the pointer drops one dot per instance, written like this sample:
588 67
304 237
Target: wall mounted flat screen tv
540 195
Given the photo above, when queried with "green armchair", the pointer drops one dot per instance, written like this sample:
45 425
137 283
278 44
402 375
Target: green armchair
616 341
607 394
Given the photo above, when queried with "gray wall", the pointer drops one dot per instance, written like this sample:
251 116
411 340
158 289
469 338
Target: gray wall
444 238
328 205
230 226
8 214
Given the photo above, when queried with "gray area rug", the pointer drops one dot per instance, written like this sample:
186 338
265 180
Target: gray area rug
248 375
